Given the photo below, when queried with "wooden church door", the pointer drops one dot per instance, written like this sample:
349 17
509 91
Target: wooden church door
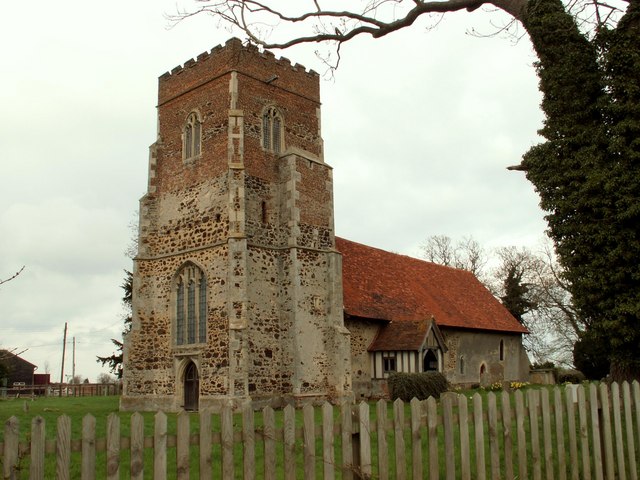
191 387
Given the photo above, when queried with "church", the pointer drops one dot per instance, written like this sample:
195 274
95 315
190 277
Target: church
242 291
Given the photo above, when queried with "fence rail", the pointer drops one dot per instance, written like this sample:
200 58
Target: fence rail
587 432
64 390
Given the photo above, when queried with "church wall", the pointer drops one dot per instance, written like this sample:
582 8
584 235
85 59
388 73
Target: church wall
315 193
264 223
270 367
300 121
212 104
155 360
483 348
314 326
176 222
362 335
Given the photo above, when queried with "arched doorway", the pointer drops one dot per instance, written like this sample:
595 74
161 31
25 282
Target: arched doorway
430 362
191 387
484 375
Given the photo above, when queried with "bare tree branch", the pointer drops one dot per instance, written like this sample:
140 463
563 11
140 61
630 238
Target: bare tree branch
257 19
13 276
246 15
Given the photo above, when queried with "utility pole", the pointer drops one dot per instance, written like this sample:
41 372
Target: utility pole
64 347
73 368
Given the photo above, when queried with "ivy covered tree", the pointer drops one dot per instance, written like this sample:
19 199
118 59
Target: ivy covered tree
114 361
516 297
588 172
587 169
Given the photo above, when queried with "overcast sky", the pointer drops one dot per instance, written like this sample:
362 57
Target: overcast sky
419 128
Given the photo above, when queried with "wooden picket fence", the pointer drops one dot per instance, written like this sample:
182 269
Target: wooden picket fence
589 432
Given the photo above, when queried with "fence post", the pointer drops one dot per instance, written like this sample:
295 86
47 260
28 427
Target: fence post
355 442
347 441
63 448
328 456
11 443
36 469
88 468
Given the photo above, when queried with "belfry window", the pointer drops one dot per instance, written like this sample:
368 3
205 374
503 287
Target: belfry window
272 130
191 315
192 136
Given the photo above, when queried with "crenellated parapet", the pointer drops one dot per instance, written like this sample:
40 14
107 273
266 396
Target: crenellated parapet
245 59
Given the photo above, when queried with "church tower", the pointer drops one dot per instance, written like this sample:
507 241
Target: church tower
237 290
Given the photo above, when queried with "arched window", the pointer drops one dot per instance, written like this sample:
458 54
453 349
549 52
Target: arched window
263 206
272 130
191 136
462 365
501 350
191 316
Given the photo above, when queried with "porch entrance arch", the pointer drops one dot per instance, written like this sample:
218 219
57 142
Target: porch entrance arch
430 361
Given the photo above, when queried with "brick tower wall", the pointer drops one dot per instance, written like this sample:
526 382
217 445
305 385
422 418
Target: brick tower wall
260 227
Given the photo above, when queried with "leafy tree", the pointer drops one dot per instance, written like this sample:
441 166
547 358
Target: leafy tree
114 361
591 357
587 169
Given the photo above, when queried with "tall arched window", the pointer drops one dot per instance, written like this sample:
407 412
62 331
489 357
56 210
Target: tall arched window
272 130
191 315
501 350
191 136
461 365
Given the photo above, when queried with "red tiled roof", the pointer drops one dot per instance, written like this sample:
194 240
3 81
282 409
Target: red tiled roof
405 335
384 285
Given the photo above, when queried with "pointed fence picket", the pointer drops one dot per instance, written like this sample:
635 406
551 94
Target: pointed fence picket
552 434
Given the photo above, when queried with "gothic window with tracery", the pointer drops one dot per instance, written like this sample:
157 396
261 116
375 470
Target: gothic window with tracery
272 130
192 136
191 315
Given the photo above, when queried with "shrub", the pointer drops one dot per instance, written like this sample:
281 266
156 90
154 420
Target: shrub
570 376
407 386
543 366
